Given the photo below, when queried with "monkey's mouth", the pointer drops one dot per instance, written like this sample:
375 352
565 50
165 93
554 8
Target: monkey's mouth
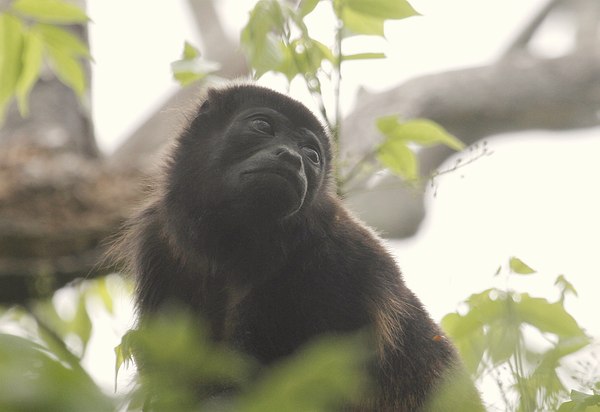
293 178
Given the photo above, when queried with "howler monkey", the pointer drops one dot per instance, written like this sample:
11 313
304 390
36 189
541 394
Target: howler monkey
246 230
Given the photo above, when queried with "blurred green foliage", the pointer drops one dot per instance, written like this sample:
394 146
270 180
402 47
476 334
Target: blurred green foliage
42 349
42 353
495 333
33 32
181 369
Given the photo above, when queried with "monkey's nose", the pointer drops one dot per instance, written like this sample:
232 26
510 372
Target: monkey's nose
285 154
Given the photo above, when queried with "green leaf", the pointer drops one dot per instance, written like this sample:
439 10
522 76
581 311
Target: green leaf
468 335
123 353
397 156
581 402
307 6
100 289
62 40
420 131
358 23
322 376
304 56
547 317
34 380
50 11
190 71
387 124
65 51
565 286
518 266
503 337
550 360
81 324
32 63
11 49
384 9
191 67
69 70
189 51
260 37
363 56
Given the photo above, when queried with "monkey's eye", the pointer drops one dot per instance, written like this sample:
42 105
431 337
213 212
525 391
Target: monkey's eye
312 154
261 125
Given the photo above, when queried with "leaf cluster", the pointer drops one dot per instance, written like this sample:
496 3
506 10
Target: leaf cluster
42 350
33 32
192 67
494 330
41 363
179 368
397 151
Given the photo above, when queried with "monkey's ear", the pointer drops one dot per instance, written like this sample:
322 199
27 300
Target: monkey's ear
205 107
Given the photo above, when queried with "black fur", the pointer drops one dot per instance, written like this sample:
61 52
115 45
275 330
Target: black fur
246 230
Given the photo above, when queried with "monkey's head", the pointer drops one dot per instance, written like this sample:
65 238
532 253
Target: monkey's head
249 153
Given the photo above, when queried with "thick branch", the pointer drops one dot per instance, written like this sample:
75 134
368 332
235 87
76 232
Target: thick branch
56 212
521 93
217 45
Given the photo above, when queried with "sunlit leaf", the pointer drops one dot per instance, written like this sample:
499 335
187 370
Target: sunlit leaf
387 124
68 69
11 49
100 289
420 131
189 51
305 56
191 67
384 9
123 354
81 324
502 338
260 37
581 402
33 379
550 360
468 336
565 286
518 266
183 336
363 56
32 62
60 39
50 11
318 378
358 23
65 51
307 6
547 317
399 158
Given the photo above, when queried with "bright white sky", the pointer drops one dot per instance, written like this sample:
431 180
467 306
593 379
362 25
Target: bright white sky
537 197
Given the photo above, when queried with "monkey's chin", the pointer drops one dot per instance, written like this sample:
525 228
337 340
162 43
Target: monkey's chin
274 195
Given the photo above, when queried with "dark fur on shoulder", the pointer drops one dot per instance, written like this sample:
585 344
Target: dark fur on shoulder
246 230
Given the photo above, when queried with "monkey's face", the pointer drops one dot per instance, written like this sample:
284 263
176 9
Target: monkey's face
250 155
272 166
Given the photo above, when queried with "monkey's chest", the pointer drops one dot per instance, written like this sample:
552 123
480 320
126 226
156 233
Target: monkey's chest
274 320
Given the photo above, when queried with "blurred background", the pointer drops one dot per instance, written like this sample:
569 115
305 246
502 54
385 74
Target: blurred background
517 81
